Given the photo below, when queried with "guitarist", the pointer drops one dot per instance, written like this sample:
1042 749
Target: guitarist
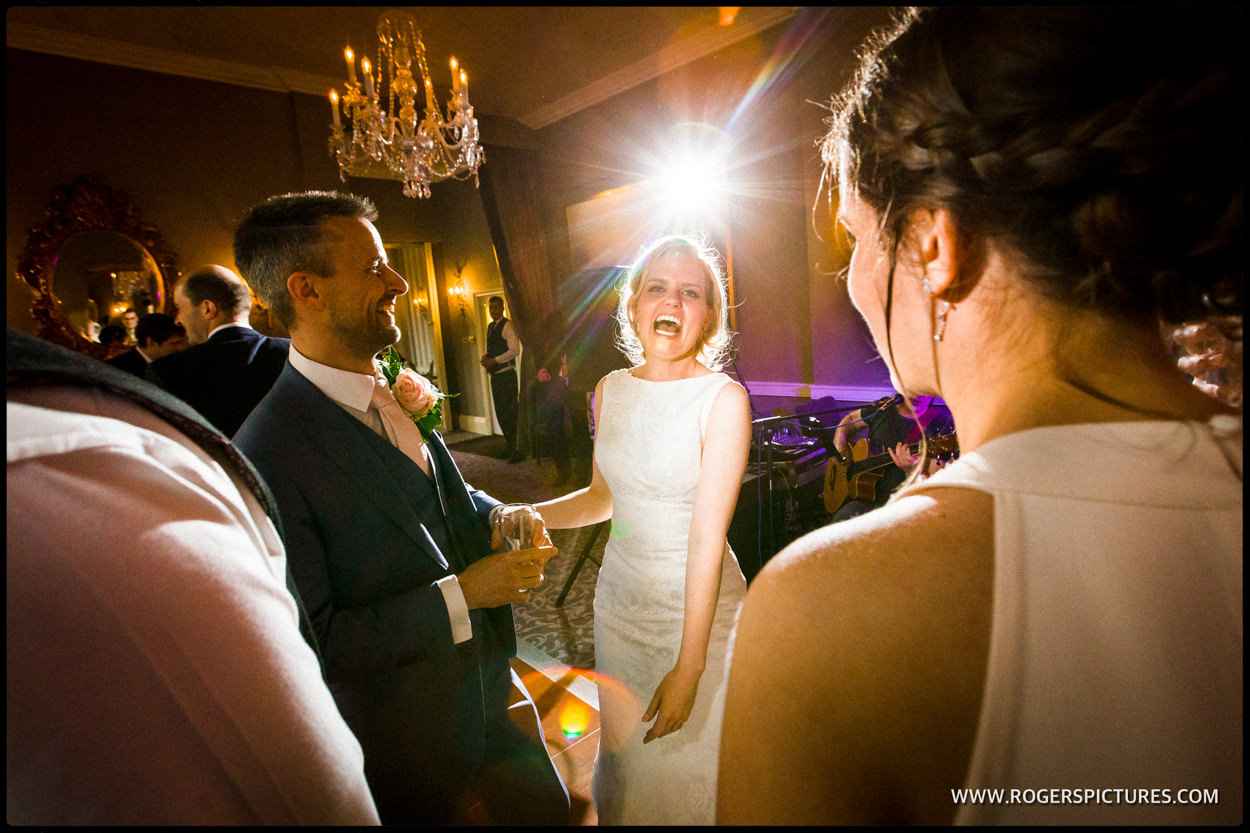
890 425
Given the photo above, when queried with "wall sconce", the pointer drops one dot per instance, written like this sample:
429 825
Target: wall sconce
423 307
456 290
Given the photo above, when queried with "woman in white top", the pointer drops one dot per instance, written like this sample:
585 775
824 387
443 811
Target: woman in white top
1056 616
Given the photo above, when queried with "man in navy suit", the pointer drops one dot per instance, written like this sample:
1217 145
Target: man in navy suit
389 548
157 335
229 366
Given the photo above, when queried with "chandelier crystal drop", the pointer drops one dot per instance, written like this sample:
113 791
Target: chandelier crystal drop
417 152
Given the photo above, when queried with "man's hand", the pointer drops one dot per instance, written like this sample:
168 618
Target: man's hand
504 577
488 362
902 457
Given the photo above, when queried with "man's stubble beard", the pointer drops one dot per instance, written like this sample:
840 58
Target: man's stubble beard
366 339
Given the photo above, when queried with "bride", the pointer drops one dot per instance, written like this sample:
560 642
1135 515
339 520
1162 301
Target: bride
670 451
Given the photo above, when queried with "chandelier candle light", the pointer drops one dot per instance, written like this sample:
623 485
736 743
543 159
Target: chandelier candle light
417 152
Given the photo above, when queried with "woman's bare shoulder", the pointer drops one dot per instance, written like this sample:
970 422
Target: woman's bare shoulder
907 534
887 615
877 577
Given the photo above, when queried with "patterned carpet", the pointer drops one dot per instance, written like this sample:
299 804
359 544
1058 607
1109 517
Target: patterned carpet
565 633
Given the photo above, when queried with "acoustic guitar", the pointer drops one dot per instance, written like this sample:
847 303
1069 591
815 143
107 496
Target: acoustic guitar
856 479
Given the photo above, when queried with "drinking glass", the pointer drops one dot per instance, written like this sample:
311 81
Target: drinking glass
515 523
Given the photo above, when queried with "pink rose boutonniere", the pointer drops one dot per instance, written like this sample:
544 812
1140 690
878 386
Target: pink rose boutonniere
416 394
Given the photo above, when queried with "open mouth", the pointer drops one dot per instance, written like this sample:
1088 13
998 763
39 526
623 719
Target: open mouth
667 325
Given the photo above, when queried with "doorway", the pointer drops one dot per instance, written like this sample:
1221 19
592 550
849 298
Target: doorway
417 315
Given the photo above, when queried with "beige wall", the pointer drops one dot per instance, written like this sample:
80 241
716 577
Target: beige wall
195 155
797 328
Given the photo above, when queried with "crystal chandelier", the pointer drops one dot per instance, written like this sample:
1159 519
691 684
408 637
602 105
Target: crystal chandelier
416 152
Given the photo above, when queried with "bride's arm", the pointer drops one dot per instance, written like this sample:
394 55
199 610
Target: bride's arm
590 505
724 460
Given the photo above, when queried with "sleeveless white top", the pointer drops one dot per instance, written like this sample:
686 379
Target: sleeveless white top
649 449
1114 683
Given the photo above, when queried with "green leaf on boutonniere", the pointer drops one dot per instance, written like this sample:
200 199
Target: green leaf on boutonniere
391 363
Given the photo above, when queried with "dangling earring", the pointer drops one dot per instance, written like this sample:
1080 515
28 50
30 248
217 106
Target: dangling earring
943 308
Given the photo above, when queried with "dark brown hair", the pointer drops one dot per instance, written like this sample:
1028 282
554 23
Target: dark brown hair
284 235
1101 146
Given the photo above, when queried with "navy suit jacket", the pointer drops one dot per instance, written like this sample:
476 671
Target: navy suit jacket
367 537
225 377
131 362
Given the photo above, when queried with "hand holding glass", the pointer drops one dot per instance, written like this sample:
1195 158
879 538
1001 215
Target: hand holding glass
515 524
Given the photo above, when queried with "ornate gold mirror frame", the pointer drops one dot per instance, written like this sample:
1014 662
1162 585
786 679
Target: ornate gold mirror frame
84 205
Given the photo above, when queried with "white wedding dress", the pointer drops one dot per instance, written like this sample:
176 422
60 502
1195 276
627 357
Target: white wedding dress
648 447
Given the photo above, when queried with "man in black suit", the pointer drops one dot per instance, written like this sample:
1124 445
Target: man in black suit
157 336
229 367
390 549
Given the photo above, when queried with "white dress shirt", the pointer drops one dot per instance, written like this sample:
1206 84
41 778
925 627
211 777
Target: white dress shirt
156 674
353 392
241 324
514 343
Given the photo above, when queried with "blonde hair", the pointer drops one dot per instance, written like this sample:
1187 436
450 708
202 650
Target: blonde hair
715 343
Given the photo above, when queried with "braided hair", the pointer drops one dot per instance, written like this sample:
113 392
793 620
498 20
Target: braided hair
1100 147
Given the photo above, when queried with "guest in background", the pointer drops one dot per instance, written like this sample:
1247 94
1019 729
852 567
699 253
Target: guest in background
503 349
670 452
229 367
155 671
130 320
389 547
113 335
890 426
550 395
1032 190
158 336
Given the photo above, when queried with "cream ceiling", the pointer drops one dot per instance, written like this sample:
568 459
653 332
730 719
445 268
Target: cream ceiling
534 64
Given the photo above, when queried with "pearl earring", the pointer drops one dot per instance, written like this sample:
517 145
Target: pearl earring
943 308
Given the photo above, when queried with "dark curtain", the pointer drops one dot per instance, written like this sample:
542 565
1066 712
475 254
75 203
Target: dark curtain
512 196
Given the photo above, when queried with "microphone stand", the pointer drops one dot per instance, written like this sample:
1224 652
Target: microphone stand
766 470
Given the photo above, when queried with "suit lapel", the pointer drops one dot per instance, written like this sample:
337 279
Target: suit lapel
329 427
453 493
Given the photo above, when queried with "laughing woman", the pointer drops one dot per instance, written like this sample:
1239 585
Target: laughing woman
670 450
1054 619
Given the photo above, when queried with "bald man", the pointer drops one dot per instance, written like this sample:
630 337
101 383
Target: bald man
229 367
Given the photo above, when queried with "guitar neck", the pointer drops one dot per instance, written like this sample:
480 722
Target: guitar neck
879 461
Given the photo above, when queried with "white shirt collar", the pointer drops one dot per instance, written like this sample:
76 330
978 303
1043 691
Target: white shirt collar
229 324
351 390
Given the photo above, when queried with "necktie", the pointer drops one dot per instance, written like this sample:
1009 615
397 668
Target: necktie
399 427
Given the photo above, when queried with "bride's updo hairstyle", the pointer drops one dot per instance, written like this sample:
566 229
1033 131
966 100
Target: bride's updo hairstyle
715 342
1099 148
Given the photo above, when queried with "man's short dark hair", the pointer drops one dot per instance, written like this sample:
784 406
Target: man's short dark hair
112 334
495 298
157 327
219 285
284 235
